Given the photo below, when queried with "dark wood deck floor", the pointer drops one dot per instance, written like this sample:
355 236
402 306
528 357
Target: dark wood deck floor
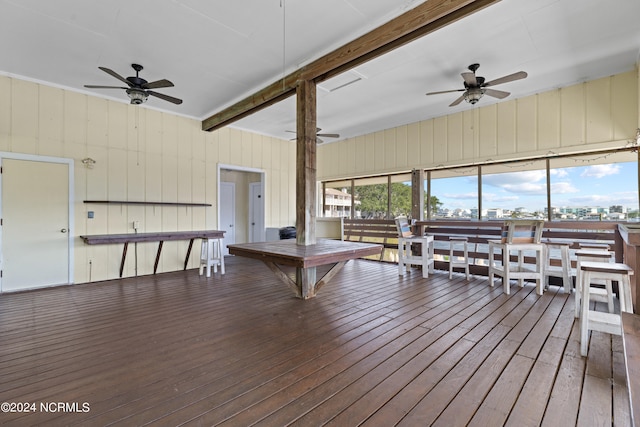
372 349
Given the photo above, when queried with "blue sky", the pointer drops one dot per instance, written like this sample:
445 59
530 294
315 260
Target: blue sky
593 185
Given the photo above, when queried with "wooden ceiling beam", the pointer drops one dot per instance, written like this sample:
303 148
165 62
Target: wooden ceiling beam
415 23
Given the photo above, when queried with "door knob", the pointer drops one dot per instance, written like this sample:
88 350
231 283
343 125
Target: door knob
64 230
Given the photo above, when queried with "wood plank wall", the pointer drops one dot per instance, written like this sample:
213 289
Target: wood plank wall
594 115
141 154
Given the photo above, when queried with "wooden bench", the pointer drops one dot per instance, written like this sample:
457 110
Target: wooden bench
380 231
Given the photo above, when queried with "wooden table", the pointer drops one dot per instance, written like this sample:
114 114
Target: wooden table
305 259
161 237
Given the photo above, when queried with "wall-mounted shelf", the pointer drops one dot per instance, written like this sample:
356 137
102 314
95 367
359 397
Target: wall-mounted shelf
122 202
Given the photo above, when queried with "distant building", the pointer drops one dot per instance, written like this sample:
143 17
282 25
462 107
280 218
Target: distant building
337 203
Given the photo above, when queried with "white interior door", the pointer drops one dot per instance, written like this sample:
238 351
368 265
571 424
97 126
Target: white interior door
256 213
227 202
35 224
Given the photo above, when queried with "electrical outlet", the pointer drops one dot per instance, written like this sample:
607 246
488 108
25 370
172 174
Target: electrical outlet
136 225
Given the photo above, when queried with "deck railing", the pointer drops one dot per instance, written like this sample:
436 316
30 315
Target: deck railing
478 233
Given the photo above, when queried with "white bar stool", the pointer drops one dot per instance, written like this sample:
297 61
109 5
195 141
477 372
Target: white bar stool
596 293
457 261
518 236
591 320
564 271
211 255
405 254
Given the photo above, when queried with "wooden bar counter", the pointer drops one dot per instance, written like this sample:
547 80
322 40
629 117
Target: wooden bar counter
305 259
161 237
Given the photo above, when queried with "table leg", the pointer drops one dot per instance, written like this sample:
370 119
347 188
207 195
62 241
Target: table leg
306 280
155 266
124 257
186 259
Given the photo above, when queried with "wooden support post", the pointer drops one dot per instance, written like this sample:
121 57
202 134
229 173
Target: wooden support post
306 163
306 180
417 197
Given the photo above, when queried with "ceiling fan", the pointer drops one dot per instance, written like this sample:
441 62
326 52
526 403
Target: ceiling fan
138 89
318 135
475 86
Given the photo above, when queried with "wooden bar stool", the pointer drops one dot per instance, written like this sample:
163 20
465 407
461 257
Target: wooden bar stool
457 261
211 255
564 271
596 320
596 293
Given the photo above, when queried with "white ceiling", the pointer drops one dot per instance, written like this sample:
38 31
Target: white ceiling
217 52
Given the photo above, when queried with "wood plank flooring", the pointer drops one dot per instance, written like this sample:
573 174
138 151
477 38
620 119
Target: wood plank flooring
372 349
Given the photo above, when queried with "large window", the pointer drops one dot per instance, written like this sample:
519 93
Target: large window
371 198
514 190
337 202
454 194
595 187
400 195
598 186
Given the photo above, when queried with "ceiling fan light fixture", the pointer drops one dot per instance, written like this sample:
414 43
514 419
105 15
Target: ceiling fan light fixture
473 95
137 96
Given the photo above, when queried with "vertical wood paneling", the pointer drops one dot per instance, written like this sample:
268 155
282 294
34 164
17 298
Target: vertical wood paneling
223 145
50 119
598 111
624 108
487 131
184 184
5 114
454 138
370 154
257 144
351 156
75 118
440 140
548 120
24 123
414 149
378 151
390 144
426 142
341 160
141 155
526 129
360 149
470 147
97 122
572 115
602 112
402 155
245 149
117 174
506 128
235 147
117 125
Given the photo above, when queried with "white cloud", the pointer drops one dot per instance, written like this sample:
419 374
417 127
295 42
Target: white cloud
461 196
600 171
563 188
